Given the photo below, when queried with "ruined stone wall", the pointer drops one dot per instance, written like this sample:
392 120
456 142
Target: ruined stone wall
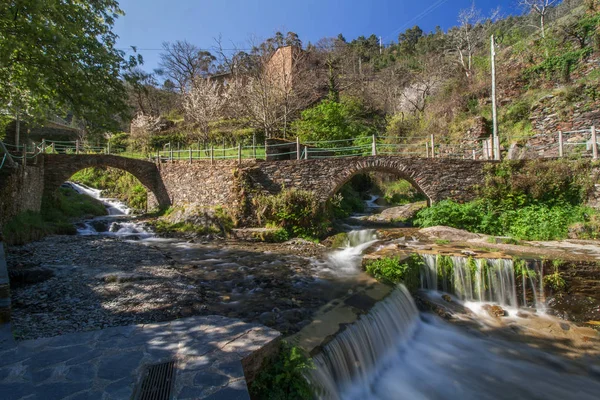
21 189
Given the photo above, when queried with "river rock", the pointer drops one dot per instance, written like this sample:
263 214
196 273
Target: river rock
400 213
448 233
494 310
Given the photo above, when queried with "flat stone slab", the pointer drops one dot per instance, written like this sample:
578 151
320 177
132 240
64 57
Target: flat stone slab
108 364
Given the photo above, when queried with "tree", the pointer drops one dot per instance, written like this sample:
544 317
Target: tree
278 87
203 104
331 120
183 62
469 35
540 7
409 39
59 57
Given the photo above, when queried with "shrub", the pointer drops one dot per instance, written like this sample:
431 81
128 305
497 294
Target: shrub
298 212
284 377
558 67
393 271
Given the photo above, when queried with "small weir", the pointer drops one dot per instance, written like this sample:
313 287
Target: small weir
395 352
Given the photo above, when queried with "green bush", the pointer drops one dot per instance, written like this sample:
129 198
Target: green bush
284 377
533 222
558 67
401 192
298 212
392 271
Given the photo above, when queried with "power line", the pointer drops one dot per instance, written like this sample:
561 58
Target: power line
130 49
424 13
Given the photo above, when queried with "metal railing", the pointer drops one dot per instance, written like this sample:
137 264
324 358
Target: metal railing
579 143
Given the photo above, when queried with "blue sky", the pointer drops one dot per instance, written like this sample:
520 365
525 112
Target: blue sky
149 23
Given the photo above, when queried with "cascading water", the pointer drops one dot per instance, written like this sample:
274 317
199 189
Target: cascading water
116 223
395 353
479 279
350 358
346 261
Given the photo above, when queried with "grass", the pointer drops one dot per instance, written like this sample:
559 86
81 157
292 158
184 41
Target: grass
56 217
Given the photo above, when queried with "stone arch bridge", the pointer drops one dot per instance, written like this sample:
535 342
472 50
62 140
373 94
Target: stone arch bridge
232 184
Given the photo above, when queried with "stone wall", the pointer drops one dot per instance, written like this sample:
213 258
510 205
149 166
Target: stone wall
205 184
21 190
438 179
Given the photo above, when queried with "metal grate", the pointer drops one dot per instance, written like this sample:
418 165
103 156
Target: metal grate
157 382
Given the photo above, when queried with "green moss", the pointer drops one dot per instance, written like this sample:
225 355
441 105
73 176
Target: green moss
340 240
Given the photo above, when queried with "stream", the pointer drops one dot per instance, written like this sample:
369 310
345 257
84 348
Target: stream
394 351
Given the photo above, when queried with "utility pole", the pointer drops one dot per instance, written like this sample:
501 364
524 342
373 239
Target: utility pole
494 111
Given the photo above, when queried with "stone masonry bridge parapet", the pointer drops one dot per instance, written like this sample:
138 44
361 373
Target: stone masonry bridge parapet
58 168
231 184
438 179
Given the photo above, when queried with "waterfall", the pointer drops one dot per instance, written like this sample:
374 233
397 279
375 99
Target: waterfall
117 223
481 279
352 356
394 353
346 261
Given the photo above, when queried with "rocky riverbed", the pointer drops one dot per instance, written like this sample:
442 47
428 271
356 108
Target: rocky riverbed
77 283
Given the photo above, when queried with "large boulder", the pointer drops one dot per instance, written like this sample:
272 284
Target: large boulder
451 234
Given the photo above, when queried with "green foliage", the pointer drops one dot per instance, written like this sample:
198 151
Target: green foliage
558 67
277 236
331 120
56 217
555 282
533 222
401 192
351 202
521 269
441 241
61 55
393 271
283 377
119 142
298 212
115 182
528 201
517 111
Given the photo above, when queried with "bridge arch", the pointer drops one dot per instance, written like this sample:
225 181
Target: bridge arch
58 168
403 169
